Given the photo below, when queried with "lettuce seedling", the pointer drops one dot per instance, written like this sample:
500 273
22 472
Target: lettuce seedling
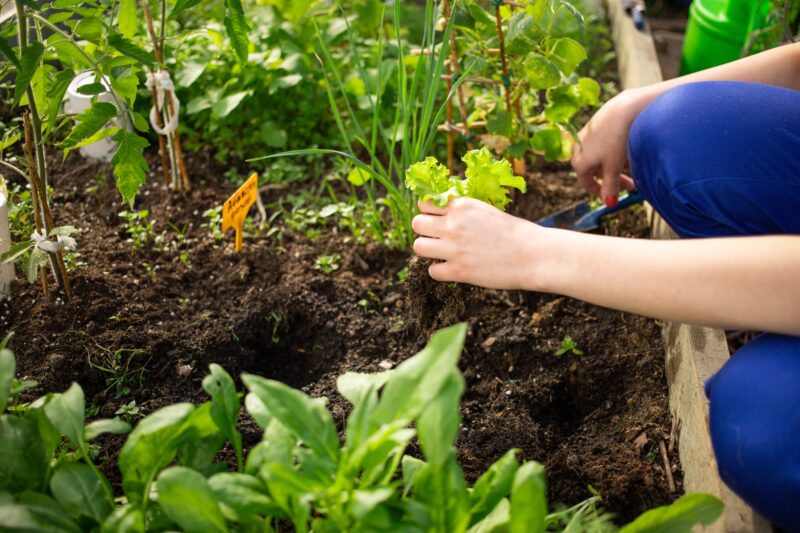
487 179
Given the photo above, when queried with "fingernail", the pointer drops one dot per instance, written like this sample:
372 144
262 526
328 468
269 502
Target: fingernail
611 201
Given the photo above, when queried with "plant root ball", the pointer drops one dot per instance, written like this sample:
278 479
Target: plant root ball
433 304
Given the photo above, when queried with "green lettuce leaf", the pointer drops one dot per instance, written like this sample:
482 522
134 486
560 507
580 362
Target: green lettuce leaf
487 178
430 180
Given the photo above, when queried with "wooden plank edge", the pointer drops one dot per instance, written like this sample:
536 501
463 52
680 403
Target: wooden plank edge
693 354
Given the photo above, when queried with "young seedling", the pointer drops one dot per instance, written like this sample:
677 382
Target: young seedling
214 223
487 179
327 263
138 227
568 345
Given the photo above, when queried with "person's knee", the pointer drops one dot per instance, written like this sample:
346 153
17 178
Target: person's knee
754 423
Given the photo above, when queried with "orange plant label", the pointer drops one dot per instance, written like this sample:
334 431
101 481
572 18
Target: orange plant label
236 207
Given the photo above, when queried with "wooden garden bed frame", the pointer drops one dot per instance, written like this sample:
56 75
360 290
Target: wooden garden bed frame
693 354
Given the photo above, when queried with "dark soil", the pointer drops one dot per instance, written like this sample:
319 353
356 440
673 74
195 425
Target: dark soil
593 420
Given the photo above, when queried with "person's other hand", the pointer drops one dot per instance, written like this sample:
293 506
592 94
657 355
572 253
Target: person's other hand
477 244
602 151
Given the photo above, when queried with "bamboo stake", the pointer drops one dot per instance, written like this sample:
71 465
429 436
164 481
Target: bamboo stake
46 216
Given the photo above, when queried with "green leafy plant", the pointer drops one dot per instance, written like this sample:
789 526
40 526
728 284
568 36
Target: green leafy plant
299 473
399 95
568 344
138 227
214 223
124 368
487 179
327 263
36 252
525 87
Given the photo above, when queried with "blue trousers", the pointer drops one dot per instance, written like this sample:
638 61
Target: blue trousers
722 159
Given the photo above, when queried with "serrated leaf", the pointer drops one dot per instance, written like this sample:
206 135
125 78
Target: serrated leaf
8 52
127 20
128 48
488 178
130 166
89 122
236 26
181 6
16 251
28 65
588 92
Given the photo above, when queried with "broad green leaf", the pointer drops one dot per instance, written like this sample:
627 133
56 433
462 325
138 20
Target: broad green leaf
186 497
200 440
493 486
225 406
245 495
102 134
151 446
55 94
223 107
680 516
82 492
90 28
567 54
541 72
114 426
236 26
496 521
588 92
354 386
364 502
276 447
500 123
273 135
10 138
418 380
128 48
126 519
8 373
92 120
40 517
528 499
562 104
488 178
443 490
92 89
358 177
189 72
522 31
547 140
25 460
127 19
411 467
479 14
306 417
67 412
28 65
438 422
130 166
182 5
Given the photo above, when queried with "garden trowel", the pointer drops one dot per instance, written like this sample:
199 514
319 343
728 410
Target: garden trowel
581 217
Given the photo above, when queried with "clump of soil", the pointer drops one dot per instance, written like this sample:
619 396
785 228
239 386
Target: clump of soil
594 419
432 304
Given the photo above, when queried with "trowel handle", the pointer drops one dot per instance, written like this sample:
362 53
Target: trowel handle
632 198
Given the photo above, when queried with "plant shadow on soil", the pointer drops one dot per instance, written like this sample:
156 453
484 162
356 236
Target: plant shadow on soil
593 420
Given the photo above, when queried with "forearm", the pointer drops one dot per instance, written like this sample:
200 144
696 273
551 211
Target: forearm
779 67
736 283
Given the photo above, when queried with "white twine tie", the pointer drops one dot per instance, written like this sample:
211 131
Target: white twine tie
160 83
63 243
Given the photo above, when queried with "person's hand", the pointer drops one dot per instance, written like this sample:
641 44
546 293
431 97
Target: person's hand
477 244
602 151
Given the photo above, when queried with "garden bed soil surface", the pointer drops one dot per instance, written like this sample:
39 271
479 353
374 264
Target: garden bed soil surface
593 420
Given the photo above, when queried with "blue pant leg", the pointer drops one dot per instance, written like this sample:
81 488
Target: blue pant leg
755 426
721 158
